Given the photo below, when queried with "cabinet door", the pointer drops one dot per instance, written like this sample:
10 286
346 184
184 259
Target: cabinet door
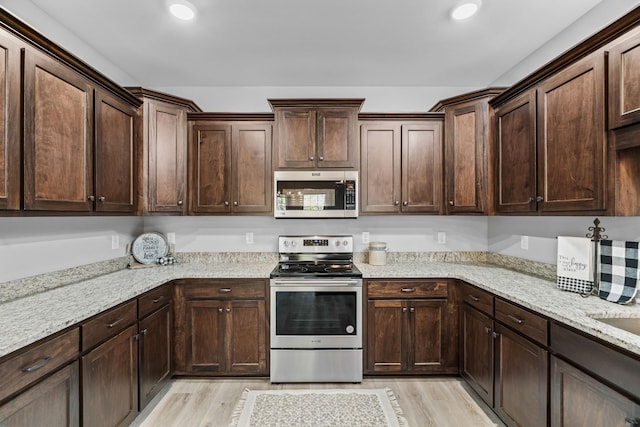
296 138
516 189
380 168
210 169
572 139
9 122
245 337
624 89
464 157
167 139
385 338
336 138
58 123
577 399
114 154
252 179
205 331
521 379
427 336
110 381
55 402
155 353
477 352
422 189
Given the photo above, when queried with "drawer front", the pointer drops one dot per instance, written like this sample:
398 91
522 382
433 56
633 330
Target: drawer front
523 321
407 289
225 289
108 324
154 300
482 300
29 366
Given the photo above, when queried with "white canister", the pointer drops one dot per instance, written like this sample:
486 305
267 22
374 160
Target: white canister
377 253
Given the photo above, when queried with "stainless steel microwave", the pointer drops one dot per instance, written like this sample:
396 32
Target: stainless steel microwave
315 194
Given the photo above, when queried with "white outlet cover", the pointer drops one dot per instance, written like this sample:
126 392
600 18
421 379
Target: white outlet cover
365 237
249 238
524 242
115 241
442 237
171 238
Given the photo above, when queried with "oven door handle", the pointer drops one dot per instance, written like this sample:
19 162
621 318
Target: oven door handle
315 282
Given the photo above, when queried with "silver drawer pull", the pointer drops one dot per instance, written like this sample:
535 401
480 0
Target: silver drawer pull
111 325
408 289
476 299
225 290
157 300
38 365
515 319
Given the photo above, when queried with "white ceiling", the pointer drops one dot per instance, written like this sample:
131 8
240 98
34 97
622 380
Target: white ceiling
315 42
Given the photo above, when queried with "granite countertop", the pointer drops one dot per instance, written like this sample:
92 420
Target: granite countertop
30 318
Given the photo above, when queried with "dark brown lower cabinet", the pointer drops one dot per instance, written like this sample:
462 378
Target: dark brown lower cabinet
110 381
156 350
578 399
54 402
477 352
520 379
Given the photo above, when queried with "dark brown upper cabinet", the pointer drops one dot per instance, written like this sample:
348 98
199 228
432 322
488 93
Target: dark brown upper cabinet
9 122
624 83
316 133
401 164
230 165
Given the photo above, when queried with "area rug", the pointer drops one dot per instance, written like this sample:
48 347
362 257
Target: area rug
318 408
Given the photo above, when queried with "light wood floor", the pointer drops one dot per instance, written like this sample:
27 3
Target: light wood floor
440 402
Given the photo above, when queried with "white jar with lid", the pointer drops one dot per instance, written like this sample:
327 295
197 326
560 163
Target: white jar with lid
377 253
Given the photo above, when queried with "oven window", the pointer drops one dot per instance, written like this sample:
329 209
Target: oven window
316 313
310 195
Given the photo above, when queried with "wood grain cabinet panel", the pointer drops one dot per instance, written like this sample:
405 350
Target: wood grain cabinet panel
386 340
572 155
230 168
115 176
401 167
476 365
296 138
156 352
515 179
58 136
10 131
624 83
54 402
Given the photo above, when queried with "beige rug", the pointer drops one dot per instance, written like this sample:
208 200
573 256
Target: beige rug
318 408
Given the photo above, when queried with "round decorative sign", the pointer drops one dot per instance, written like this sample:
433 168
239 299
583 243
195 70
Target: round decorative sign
148 247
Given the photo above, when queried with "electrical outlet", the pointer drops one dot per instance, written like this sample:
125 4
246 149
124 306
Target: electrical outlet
442 237
524 242
115 241
249 238
171 238
365 237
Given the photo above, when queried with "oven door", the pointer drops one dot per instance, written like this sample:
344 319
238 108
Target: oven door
316 314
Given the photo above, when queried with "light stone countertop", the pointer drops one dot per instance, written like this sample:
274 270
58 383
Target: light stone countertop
28 319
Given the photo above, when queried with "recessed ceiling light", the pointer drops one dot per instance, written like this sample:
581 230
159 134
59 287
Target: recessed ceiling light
182 10
465 9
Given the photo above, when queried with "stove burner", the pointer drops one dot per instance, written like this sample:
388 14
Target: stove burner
293 268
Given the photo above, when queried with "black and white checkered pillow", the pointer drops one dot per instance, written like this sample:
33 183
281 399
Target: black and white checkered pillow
575 285
618 270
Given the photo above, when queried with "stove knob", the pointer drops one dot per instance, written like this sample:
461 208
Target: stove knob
345 243
286 243
337 243
293 243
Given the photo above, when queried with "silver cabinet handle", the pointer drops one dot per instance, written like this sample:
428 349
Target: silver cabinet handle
474 298
405 203
226 203
220 310
396 202
101 199
408 290
310 157
180 202
496 334
404 309
157 300
228 310
539 199
225 290
530 200
450 202
91 198
321 158
515 319
235 203
37 365
412 310
487 330
143 332
111 325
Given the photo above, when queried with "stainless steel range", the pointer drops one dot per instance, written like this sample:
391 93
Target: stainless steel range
316 311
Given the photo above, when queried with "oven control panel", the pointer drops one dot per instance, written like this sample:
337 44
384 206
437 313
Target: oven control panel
315 244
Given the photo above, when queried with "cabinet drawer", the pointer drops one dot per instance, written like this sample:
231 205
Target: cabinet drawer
407 289
228 289
108 324
154 300
523 321
25 368
482 300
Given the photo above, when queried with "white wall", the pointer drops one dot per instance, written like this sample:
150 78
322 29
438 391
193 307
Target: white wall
30 246
590 23
402 233
504 233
